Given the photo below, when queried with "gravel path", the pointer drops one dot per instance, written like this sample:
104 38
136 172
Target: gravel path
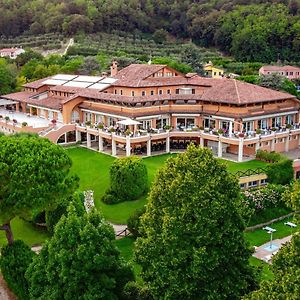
5 293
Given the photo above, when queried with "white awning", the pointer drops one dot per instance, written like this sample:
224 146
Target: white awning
6 102
128 122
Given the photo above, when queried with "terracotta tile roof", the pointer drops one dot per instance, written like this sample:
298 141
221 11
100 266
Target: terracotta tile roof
36 84
67 89
238 92
19 96
27 97
5 50
280 68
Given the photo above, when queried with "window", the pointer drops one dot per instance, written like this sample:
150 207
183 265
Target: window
242 185
276 122
152 93
291 73
264 181
143 93
121 92
168 92
263 124
289 119
115 91
193 91
177 91
215 73
252 183
132 93
160 92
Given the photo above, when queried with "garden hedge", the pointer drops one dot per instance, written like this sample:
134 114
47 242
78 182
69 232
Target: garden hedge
14 262
128 180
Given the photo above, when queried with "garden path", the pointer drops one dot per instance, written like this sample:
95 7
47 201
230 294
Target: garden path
5 293
267 250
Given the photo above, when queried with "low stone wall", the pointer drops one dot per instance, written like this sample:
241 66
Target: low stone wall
258 226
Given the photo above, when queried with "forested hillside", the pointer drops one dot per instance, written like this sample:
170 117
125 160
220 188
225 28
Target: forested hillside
250 30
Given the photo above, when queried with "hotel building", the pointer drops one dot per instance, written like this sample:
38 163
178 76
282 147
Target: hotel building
146 109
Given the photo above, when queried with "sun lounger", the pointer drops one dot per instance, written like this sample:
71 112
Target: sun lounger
269 229
290 224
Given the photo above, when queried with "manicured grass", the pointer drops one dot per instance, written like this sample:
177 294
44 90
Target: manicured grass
125 245
266 272
260 236
242 166
25 231
93 170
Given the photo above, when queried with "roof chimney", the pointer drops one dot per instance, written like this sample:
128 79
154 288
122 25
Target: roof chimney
114 68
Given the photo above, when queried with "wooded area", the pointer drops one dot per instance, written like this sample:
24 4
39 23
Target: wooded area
251 30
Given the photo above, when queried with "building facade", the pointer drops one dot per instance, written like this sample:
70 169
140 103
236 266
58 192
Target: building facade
289 72
12 53
147 109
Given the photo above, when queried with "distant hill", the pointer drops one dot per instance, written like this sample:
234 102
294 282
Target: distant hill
250 30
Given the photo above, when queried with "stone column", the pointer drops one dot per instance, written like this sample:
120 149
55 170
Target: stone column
78 136
100 143
273 143
88 140
220 149
256 147
128 148
201 142
66 137
230 129
17 106
168 144
241 149
286 144
113 148
149 147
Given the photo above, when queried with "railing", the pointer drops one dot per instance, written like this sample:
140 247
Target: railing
125 232
250 172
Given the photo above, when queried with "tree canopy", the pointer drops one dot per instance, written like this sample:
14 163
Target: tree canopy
80 260
251 30
192 244
34 176
286 283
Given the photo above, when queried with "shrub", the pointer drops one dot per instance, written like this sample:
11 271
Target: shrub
266 197
281 172
134 290
133 222
24 124
129 180
268 156
14 262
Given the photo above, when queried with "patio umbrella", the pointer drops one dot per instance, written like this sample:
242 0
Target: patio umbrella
128 122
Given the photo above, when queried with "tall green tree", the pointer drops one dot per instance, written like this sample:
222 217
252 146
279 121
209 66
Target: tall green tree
286 269
8 80
34 176
192 244
80 261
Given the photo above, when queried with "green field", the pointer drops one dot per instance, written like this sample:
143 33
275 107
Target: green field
93 170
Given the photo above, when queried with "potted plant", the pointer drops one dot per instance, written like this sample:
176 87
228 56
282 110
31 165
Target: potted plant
241 135
53 122
24 124
288 126
273 129
201 128
100 126
220 131
88 123
15 121
168 127
258 131
128 132
7 119
111 130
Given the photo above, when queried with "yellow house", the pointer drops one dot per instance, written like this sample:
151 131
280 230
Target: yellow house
213 72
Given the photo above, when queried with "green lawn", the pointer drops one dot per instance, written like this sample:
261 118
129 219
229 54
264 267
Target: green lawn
25 231
260 236
93 170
